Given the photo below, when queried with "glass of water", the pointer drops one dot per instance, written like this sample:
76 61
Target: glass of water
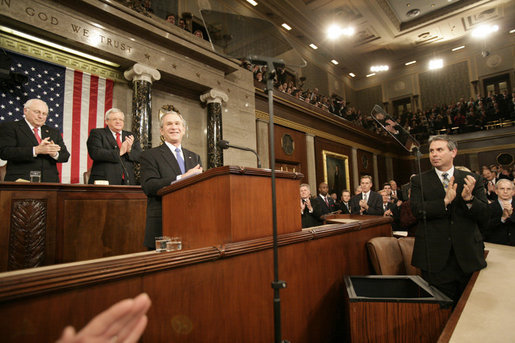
161 242
35 176
175 244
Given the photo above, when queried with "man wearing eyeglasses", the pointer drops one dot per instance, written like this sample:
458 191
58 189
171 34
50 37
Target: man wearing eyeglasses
29 145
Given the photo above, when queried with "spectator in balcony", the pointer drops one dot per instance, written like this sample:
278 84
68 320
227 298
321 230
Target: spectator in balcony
171 18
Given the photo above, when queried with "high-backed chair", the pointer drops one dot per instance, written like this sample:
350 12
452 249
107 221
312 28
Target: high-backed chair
392 256
386 256
2 172
406 244
86 175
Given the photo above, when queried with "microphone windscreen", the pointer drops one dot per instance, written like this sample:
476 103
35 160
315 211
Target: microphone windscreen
223 144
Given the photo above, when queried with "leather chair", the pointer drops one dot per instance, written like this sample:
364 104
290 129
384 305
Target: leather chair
86 176
392 256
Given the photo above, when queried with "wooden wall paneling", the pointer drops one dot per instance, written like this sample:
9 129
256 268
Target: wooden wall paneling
101 226
322 144
82 221
366 165
381 171
299 154
203 295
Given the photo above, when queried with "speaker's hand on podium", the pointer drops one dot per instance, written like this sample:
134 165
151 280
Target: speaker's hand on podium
193 171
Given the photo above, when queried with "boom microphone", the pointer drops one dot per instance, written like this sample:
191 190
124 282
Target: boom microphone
223 144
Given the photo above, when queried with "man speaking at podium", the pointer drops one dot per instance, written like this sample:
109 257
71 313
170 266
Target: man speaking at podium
163 165
450 247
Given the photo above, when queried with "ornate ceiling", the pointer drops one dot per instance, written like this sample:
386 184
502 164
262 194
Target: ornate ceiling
387 31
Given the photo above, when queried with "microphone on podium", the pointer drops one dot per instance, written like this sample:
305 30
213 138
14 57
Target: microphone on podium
223 144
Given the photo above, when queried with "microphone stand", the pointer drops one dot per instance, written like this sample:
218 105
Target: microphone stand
276 284
127 180
418 155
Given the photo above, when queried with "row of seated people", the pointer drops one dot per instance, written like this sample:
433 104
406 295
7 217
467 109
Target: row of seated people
498 226
461 117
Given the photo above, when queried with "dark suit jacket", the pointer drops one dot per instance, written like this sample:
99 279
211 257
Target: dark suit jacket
16 146
313 218
158 169
104 152
490 195
453 228
375 204
497 231
324 209
344 208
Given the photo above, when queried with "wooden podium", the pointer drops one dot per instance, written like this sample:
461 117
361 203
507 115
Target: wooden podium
230 204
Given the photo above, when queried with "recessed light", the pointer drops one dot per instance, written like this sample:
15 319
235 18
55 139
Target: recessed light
458 48
286 26
335 62
313 46
352 75
436 64
252 2
379 68
410 62
371 74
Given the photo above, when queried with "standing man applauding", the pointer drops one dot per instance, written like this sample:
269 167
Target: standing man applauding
30 145
450 248
113 151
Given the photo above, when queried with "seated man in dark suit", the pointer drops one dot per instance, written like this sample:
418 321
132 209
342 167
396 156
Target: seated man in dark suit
113 151
30 145
345 203
325 202
390 209
501 224
163 165
309 208
368 201
490 180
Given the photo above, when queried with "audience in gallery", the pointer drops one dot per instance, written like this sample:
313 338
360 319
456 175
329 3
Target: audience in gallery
461 117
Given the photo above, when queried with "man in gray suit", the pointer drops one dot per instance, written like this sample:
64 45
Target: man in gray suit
163 165
450 247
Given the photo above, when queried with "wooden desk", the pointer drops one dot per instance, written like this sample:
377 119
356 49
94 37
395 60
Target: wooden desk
211 294
47 223
486 309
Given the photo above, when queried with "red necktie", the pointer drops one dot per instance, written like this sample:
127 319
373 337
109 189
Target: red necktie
118 140
326 201
36 133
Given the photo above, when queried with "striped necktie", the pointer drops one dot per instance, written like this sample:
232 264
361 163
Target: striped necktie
445 181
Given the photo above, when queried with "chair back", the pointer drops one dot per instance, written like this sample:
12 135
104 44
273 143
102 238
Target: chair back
385 255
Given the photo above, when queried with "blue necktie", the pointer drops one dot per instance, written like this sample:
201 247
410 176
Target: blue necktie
180 160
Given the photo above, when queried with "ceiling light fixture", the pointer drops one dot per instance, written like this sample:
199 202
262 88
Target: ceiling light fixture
379 68
57 46
436 64
352 75
335 31
483 31
371 74
252 2
286 26
313 46
512 31
458 48
410 62
335 62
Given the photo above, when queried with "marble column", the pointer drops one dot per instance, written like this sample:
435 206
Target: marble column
142 77
214 98
310 151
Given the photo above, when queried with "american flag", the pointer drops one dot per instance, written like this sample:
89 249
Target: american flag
76 103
